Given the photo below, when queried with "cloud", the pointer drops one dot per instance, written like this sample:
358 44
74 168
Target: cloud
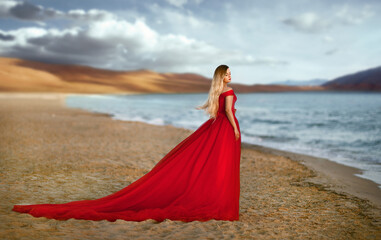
354 17
5 6
119 44
105 40
90 15
328 39
26 11
331 52
177 3
181 3
310 22
307 22
6 37
175 19
30 12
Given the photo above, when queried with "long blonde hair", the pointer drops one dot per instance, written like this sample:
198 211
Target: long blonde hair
211 104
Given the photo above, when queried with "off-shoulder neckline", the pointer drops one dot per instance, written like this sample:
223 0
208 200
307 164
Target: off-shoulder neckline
227 91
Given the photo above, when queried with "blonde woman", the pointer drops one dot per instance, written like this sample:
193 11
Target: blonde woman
197 180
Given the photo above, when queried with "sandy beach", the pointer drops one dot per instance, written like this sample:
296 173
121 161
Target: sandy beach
53 154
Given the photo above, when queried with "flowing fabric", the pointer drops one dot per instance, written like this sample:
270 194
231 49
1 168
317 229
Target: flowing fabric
197 180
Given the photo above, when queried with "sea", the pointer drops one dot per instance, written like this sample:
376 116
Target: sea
344 127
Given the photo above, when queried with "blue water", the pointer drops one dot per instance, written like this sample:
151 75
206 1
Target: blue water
343 127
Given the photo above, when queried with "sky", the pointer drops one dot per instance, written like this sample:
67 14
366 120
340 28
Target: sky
262 41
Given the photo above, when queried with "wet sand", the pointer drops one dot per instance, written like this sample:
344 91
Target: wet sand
52 154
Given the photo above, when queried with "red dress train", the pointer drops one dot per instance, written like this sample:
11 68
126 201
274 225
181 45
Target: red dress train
197 180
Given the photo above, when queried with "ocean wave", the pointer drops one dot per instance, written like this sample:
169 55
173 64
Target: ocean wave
324 126
269 121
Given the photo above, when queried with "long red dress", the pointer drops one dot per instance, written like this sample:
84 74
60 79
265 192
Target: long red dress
197 180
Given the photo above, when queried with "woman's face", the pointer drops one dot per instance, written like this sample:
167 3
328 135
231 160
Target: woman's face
228 76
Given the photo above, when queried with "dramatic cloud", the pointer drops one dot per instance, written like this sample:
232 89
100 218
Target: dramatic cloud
260 40
119 44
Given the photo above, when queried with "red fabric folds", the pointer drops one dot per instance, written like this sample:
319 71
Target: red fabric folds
197 180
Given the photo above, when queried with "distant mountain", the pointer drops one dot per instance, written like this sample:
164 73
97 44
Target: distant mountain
313 82
368 80
18 75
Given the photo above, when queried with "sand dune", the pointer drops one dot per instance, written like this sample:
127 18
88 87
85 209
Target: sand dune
17 75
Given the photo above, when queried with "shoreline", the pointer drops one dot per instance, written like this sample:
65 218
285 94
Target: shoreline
52 153
333 175
330 174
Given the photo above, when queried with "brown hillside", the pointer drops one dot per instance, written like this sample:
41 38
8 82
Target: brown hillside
366 80
17 75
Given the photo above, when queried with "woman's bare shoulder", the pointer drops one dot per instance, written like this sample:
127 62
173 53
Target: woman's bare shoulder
227 89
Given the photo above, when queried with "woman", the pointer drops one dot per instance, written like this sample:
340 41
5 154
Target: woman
197 180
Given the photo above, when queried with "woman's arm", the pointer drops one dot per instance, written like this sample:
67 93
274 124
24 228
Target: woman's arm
229 114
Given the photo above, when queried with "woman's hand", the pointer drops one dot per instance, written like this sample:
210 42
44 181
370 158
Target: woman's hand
236 133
